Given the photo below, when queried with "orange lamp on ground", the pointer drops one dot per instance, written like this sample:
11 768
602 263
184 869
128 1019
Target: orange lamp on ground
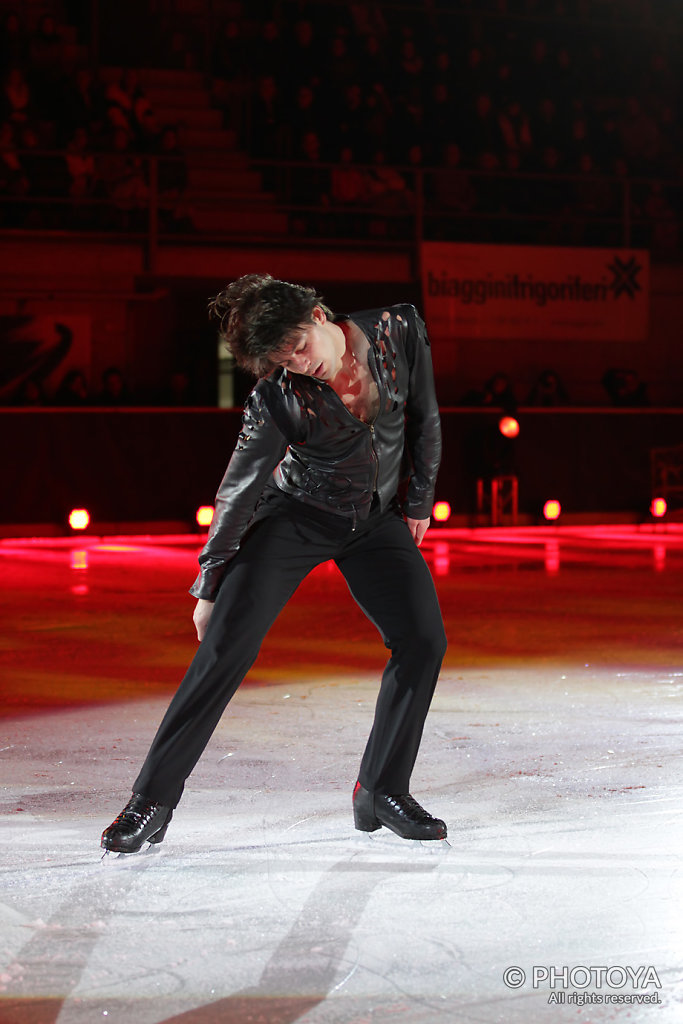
79 518
508 426
552 510
441 511
658 507
205 515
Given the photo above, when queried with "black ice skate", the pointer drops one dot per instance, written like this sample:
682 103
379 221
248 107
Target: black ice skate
402 814
140 821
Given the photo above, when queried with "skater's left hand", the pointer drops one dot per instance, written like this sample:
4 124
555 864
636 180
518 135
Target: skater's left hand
201 616
418 528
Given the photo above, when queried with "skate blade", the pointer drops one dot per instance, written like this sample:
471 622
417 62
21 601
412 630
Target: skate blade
385 837
112 856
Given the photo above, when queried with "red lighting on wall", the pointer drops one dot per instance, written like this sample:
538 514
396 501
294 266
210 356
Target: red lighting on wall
441 511
205 515
658 507
508 426
79 518
552 510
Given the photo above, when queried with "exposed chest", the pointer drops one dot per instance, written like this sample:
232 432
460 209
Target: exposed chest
359 393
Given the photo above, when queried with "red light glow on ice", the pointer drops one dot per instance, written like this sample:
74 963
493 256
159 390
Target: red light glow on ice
79 518
552 510
658 507
205 515
441 511
508 426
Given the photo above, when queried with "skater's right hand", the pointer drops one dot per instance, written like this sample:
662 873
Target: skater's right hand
201 616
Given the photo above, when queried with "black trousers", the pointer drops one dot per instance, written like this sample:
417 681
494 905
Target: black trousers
389 579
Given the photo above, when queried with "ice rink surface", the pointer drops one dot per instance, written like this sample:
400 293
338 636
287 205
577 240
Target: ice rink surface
553 751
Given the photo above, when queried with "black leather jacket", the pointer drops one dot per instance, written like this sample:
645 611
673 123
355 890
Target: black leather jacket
298 434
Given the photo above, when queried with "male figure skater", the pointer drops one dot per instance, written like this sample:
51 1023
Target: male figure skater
342 407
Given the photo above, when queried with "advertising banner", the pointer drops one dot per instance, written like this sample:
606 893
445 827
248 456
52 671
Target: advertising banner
39 350
535 292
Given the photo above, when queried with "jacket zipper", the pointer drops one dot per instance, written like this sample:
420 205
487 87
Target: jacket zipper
371 428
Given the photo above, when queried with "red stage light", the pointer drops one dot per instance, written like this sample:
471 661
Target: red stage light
552 509
508 426
441 511
205 515
79 518
658 507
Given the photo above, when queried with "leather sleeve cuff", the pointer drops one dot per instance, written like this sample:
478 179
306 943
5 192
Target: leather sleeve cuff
209 580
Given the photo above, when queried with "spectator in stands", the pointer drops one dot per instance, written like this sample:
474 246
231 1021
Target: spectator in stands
183 52
516 202
546 128
625 388
178 391
488 191
664 233
538 67
13 179
670 160
47 49
477 73
639 136
150 134
515 128
481 132
349 184
30 393
311 188
127 103
342 68
351 121
497 392
389 188
16 98
80 164
13 42
305 116
592 199
83 106
441 71
548 391
373 64
73 390
378 119
304 49
606 146
440 121
552 199
564 76
114 389
269 56
412 67
450 188
172 182
267 119
229 57
121 178
48 178
490 453
48 73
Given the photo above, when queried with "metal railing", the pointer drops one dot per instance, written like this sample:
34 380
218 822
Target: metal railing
393 206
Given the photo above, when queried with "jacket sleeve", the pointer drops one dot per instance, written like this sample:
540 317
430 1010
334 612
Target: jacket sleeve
423 426
260 446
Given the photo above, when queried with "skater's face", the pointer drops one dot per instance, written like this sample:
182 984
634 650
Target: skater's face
316 350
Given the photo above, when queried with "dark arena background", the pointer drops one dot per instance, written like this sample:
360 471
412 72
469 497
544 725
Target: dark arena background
514 168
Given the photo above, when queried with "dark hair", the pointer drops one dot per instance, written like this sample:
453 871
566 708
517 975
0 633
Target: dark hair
261 317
